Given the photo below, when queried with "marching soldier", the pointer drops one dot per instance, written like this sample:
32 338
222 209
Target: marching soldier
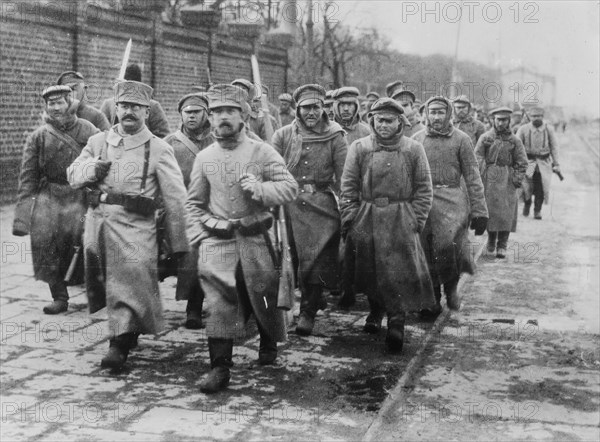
77 84
371 98
314 149
193 136
406 99
503 162
157 121
234 181
125 170
542 152
254 114
286 111
47 207
328 104
445 237
386 197
345 111
464 120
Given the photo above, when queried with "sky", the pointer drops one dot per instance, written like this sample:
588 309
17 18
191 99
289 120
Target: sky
560 38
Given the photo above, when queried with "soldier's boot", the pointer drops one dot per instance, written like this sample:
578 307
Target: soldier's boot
526 208
193 313
267 351
373 321
60 297
491 244
537 214
452 296
221 353
433 312
348 298
118 351
394 339
309 304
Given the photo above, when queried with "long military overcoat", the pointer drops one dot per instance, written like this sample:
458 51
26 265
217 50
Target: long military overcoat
215 189
386 197
502 162
445 236
47 207
121 249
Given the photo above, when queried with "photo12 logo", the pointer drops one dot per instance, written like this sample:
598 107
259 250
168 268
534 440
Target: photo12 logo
453 12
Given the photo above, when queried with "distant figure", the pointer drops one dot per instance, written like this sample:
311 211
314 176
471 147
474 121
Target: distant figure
47 207
328 104
346 113
157 120
406 99
371 98
464 120
542 152
255 117
287 113
503 161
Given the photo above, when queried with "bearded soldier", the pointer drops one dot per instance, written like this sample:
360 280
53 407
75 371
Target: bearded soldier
386 197
345 111
464 120
503 162
286 111
47 208
451 158
542 152
234 181
126 169
193 136
314 149
77 84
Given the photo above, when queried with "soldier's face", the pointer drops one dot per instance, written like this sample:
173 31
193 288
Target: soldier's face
407 106
193 119
284 106
226 120
386 125
501 122
437 116
78 89
311 114
132 116
461 110
57 106
347 110
537 118
255 104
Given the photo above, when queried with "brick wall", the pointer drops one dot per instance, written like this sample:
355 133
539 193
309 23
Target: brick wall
37 43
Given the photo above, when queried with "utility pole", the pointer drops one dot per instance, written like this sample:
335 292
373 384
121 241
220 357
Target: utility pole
310 46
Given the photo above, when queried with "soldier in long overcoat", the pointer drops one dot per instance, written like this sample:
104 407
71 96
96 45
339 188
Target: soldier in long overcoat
445 237
233 183
464 119
127 169
502 161
314 149
386 197
47 207
542 152
193 136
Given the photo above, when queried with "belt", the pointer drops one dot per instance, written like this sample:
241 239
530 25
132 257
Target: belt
313 187
383 201
531 156
445 186
112 198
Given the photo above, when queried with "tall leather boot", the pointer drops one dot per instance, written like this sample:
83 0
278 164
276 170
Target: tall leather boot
434 312
452 297
194 312
309 304
221 353
267 351
373 321
395 334
526 207
118 351
60 295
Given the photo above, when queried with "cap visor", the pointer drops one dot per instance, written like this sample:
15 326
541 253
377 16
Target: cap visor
309 101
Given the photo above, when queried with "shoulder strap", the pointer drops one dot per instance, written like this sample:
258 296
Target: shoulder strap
65 138
146 161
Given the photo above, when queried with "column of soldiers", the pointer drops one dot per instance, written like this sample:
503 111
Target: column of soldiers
398 190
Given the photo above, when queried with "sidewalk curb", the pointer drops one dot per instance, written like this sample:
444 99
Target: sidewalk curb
396 395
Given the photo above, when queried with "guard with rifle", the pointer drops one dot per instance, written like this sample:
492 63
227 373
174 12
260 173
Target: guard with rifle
47 207
234 182
125 170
